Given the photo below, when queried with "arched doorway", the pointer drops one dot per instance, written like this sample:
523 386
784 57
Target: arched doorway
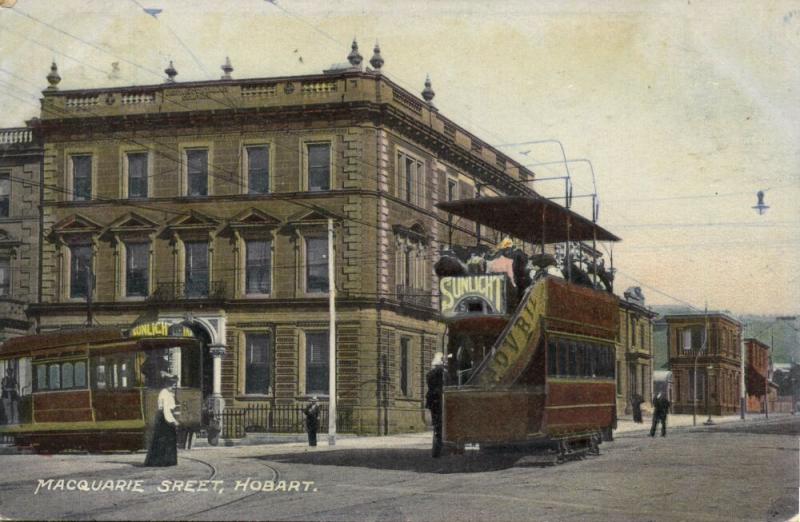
206 361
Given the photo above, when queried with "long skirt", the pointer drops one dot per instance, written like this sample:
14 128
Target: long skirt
164 446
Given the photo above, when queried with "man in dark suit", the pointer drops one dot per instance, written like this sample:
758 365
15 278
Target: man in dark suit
660 410
433 400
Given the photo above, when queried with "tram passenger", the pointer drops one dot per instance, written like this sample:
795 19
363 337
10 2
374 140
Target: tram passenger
312 420
433 400
164 446
10 397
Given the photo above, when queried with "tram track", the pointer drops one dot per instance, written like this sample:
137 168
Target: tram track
275 477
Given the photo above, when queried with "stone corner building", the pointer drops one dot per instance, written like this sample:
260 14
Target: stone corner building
20 170
716 357
634 354
207 203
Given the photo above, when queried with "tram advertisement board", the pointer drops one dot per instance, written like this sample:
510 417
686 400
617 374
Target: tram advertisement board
160 329
489 289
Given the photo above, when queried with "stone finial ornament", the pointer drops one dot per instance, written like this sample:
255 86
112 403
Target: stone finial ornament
53 78
427 92
227 69
377 60
355 57
171 73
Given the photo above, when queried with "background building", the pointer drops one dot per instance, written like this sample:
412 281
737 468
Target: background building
207 203
717 361
20 170
634 353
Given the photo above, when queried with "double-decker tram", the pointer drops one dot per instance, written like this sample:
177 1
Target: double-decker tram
529 351
96 389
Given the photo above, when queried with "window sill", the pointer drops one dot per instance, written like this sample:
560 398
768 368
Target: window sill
254 397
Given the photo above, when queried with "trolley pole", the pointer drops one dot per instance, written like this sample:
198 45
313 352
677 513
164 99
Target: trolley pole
331 340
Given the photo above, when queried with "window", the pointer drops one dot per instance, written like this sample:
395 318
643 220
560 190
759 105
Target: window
5 195
693 338
258 269
619 377
5 276
552 358
60 376
80 271
81 177
405 367
114 371
410 178
452 189
136 269
411 268
316 265
317 363
257 369
196 268
701 384
137 175
258 169
197 172
319 166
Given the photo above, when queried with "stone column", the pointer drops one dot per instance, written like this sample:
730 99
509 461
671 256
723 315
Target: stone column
217 403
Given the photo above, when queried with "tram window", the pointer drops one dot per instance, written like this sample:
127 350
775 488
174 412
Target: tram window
594 353
113 372
578 359
572 369
562 357
99 380
552 361
67 375
80 374
54 376
41 377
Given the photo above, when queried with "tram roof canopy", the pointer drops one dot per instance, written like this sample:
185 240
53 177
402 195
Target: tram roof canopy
87 338
532 219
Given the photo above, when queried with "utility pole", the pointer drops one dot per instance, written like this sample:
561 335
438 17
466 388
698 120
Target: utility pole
742 391
331 339
766 375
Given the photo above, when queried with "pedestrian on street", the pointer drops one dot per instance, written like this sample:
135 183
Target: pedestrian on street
433 400
10 397
660 410
163 449
636 405
312 420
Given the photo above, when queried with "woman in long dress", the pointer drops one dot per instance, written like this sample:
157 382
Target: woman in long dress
164 446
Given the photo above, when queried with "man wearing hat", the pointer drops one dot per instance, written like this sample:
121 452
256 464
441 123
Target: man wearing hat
312 420
433 400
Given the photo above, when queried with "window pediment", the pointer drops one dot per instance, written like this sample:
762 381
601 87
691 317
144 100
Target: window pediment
76 229
193 221
131 223
416 233
254 218
309 217
7 241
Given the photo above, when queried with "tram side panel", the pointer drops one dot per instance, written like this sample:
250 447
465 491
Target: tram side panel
510 399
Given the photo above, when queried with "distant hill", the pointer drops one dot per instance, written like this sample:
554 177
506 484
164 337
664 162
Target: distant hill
762 327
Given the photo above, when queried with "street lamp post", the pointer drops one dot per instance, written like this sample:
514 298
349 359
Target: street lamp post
709 376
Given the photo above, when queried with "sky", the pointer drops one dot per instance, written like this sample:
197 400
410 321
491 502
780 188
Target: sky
685 108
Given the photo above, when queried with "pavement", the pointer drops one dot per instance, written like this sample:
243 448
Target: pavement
732 471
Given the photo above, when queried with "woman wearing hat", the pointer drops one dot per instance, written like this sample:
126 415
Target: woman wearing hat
164 446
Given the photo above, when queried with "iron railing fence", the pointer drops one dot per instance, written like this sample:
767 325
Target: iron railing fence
266 418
